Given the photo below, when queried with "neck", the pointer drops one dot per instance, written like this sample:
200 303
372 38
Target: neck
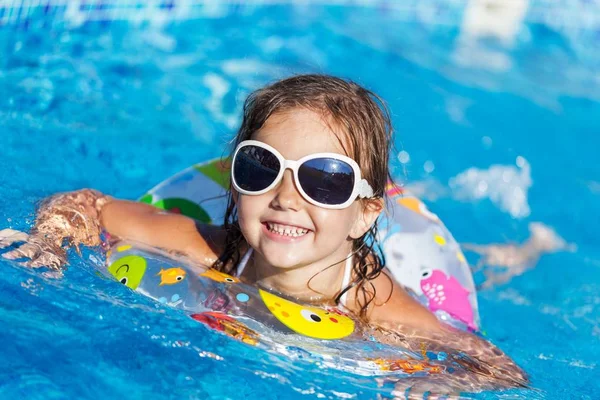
296 282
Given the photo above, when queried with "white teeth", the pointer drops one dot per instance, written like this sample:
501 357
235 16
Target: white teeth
286 230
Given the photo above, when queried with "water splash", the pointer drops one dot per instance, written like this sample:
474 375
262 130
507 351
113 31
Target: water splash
505 185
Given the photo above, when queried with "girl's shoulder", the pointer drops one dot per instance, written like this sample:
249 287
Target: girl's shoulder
212 239
391 306
214 235
215 245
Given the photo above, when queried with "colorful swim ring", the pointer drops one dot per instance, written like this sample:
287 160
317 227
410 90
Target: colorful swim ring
266 320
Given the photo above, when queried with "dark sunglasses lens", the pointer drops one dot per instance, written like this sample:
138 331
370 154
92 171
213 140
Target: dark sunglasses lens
327 180
255 168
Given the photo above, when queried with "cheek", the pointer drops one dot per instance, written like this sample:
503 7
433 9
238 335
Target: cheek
338 222
249 209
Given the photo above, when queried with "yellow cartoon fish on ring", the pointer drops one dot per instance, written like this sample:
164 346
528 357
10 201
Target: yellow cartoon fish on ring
308 321
171 276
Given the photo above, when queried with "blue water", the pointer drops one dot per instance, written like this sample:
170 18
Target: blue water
120 105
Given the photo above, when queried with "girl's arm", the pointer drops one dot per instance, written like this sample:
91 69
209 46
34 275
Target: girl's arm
151 226
393 306
78 218
405 321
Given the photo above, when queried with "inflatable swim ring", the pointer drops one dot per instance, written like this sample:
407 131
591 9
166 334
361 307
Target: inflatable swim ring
266 320
420 253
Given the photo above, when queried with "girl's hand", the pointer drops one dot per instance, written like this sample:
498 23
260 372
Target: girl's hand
72 217
63 220
39 252
482 366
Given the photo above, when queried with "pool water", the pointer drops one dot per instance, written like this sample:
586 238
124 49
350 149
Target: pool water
497 127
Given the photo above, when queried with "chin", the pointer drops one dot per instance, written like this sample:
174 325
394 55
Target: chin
284 260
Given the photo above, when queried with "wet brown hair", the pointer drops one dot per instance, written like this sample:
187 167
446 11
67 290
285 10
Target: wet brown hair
364 120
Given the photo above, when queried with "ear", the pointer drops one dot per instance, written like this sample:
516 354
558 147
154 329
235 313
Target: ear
367 216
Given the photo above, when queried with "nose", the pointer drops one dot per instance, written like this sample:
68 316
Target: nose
287 196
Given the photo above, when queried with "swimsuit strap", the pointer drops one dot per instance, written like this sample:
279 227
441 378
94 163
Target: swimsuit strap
243 262
346 280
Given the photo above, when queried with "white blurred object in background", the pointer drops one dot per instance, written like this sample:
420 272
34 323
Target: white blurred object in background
500 262
498 20
505 185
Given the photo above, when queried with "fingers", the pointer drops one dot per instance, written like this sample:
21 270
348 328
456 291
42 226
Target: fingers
39 253
26 250
9 237
47 259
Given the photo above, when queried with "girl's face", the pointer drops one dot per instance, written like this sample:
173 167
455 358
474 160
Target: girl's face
325 236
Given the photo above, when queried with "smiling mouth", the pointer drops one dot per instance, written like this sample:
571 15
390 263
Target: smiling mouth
286 230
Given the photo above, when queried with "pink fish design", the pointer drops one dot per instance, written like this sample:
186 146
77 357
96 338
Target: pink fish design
447 294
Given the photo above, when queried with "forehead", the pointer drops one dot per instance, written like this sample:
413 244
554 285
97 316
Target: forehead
299 132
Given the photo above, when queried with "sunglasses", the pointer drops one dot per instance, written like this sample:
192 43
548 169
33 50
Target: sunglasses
327 180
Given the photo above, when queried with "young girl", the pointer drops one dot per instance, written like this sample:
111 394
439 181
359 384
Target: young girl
309 170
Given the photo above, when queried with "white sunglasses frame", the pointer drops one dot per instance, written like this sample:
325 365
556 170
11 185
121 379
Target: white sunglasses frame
361 187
